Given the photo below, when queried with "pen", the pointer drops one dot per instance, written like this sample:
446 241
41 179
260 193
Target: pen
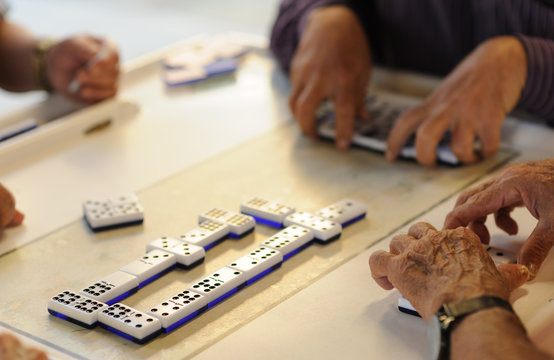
75 85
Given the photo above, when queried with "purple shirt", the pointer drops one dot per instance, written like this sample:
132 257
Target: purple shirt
433 36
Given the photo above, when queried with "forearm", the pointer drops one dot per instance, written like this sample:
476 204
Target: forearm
16 58
493 333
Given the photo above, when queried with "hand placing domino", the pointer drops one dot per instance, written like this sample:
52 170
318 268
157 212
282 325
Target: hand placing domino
187 255
76 308
258 263
179 309
151 266
219 285
129 323
345 211
207 234
267 212
114 212
290 240
324 230
112 288
239 224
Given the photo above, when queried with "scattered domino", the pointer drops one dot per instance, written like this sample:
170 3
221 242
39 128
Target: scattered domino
258 263
129 323
179 309
266 211
406 307
207 234
290 240
75 308
187 255
112 213
112 288
239 224
151 266
324 230
220 285
345 211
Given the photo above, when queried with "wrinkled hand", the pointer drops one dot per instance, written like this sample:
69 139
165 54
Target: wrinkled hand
9 216
69 59
471 102
431 268
332 62
530 185
12 349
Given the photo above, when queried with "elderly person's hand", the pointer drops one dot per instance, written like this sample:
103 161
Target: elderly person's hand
431 268
472 103
9 216
71 59
331 63
12 349
530 185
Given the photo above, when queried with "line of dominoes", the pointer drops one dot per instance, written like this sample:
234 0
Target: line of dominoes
99 303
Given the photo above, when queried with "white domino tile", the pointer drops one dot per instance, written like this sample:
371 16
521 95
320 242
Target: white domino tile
113 212
178 309
130 323
112 288
76 308
219 285
324 230
290 240
239 224
206 234
266 212
258 263
344 211
187 255
148 267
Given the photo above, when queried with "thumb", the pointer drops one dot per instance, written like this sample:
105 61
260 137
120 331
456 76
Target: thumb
537 246
515 274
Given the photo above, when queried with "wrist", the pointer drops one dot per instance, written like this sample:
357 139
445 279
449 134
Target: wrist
40 73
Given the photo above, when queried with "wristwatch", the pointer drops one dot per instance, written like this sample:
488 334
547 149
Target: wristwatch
449 315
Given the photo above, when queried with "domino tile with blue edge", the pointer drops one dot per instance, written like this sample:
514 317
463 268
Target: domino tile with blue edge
239 224
120 211
324 230
76 308
345 211
130 323
18 128
151 266
179 309
290 240
258 263
186 76
207 234
112 288
266 212
221 66
187 255
219 285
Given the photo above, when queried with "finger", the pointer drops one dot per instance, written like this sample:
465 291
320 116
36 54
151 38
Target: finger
418 230
378 263
345 111
95 94
515 274
490 139
362 111
537 246
504 221
306 107
17 218
404 127
104 79
478 227
428 136
470 192
461 144
399 243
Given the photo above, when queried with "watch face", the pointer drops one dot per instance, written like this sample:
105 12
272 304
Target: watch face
434 337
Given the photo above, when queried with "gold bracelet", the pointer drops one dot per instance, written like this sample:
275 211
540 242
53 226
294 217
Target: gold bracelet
39 65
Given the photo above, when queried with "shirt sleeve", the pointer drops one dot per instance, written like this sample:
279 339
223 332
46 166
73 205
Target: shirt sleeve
537 97
289 24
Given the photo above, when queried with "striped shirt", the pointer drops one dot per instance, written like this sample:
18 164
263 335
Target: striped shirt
433 36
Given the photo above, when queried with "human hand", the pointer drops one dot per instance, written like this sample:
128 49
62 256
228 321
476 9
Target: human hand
431 268
471 102
9 216
12 349
530 185
332 62
71 59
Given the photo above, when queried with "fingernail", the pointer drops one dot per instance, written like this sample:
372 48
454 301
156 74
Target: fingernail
533 268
